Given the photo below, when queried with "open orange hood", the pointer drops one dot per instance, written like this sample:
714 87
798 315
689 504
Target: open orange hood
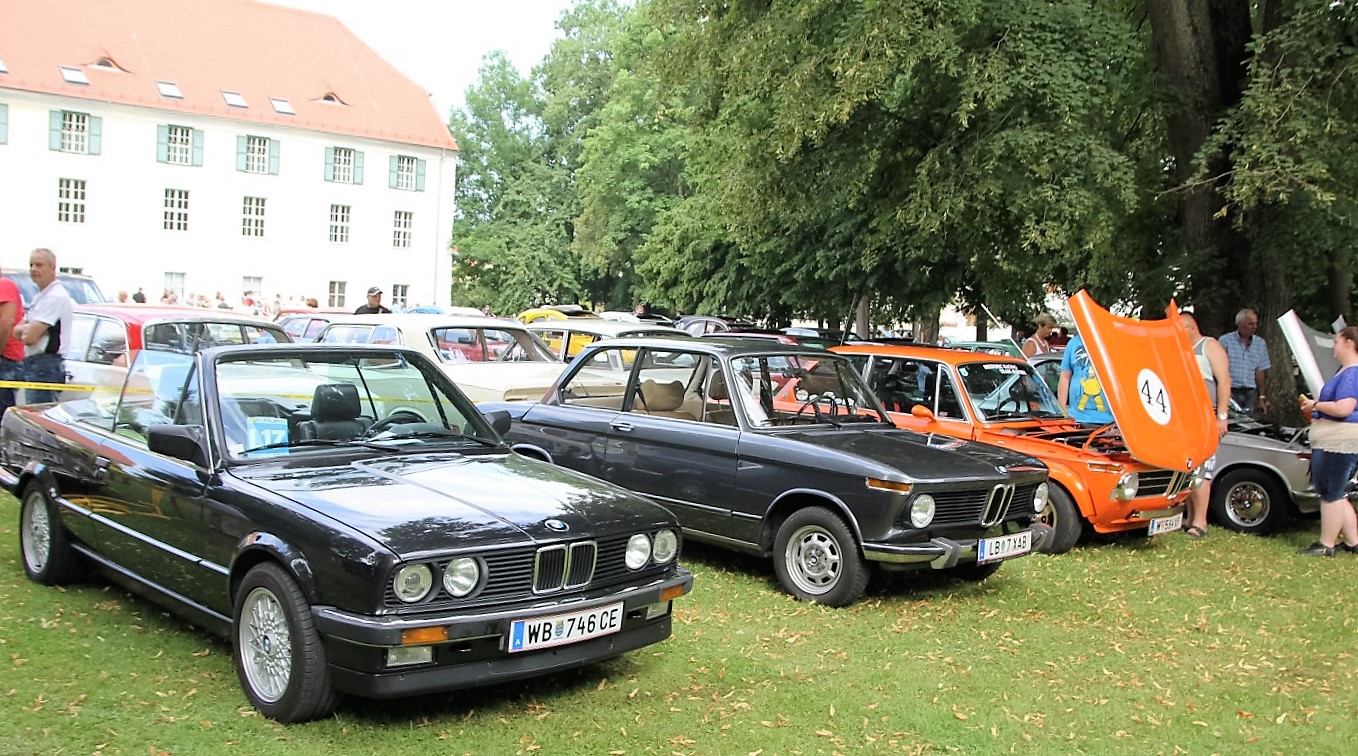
1152 383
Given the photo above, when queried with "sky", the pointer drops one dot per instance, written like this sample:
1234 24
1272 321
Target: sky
439 44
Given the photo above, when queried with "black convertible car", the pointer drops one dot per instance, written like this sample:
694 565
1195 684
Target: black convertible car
345 515
824 485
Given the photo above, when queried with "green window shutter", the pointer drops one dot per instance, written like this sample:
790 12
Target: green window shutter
419 175
96 134
197 147
54 130
391 177
241 146
329 163
162 144
273 157
358 167
4 123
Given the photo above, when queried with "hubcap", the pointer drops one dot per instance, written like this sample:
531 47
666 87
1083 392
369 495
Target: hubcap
36 533
1048 515
265 645
813 559
1247 504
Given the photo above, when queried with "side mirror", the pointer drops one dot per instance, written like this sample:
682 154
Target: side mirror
500 421
184 442
922 412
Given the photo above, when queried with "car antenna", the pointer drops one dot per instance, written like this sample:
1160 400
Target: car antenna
997 321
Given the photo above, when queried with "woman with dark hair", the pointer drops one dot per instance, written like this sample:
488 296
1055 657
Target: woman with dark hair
1334 448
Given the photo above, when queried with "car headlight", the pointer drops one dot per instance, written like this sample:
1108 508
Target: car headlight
461 576
666 546
638 551
1040 496
922 510
412 582
1125 490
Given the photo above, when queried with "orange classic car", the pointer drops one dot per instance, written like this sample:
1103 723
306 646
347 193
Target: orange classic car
1131 475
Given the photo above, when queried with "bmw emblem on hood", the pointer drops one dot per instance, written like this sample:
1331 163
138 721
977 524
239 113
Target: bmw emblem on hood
556 525
1001 469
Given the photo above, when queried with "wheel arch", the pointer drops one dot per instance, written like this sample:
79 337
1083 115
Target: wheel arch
1254 465
257 548
803 498
534 451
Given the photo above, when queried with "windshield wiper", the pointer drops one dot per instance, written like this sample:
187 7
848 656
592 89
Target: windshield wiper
441 434
316 442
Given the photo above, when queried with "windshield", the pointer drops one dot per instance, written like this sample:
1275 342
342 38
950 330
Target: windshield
190 336
488 345
1007 391
293 402
778 390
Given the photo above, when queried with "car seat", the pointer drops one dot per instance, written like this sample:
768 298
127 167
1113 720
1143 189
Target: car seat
336 414
663 399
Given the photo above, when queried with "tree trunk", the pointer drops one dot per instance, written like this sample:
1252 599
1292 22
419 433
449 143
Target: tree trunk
861 325
926 330
1338 289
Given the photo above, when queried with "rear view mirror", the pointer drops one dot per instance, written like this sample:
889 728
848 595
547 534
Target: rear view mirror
499 420
922 412
179 441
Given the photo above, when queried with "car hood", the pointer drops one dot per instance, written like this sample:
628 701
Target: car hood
431 503
918 455
504 381
1313 350
1152 383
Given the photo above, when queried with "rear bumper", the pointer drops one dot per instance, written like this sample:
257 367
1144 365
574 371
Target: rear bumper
942 553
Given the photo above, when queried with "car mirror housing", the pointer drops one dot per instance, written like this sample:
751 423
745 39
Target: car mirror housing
499 420
922 412
179 441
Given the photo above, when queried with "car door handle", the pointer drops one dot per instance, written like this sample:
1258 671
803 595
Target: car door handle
101 468
621 426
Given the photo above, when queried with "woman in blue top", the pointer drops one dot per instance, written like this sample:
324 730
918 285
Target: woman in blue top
1334 448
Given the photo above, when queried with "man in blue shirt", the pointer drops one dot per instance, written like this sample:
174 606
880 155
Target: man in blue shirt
1248 356
1079 388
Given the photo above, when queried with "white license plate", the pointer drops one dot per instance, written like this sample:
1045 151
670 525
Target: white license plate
1001 547
1166 524
560 629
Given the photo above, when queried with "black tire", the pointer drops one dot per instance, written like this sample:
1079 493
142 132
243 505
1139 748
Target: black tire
279 657
1248 500
975 572
43 541
817 559
1064 518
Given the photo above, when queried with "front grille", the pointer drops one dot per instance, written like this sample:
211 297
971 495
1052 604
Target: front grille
997 504
1161 483
526 572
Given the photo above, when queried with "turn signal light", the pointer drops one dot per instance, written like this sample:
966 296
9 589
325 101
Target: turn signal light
888 485
421 635
671 593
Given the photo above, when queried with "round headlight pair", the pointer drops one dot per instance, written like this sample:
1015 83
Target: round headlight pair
922 510
414 581
1040 496
640 549
1125 490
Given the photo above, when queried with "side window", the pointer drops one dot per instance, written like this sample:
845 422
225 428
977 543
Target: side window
82 327
716 395
595 384
459 344
166 337
901 383
555 338
151 396
341 334
295 327
314 328
949 405
668 384
578 342
190 409
108 345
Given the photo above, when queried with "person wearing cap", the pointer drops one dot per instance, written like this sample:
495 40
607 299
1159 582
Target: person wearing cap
1037 343
374 305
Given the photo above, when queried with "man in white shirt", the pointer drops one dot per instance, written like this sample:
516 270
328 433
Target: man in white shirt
46 328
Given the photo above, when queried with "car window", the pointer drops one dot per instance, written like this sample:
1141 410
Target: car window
108 345
554 338
151 395
294 327
949 405
1007 391
314 328
901 383
347 334
668 384
82 328
599 381
190 336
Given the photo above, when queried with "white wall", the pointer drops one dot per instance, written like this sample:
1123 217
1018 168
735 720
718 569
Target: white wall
122 243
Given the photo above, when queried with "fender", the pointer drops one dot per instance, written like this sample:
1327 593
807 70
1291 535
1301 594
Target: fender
1074 484
259 546
839 506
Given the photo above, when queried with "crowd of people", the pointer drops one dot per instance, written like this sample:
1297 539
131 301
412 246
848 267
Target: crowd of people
251 303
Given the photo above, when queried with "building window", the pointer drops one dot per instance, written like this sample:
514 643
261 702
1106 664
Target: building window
339 224
234 99
176 209
174 286
398 295
169 89
252 218
336 294
400 234
407 173
75 132
73 75
252 285
179 145
256 155
71 200
343 165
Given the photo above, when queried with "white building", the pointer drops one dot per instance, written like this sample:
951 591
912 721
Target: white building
219 145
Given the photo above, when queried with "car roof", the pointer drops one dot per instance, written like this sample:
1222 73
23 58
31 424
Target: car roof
603 327
941 354
722 347
138 314
425 321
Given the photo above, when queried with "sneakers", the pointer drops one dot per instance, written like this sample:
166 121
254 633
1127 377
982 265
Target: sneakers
1317 549
1341 546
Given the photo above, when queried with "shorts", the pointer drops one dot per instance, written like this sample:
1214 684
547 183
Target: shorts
1331 473
1209 468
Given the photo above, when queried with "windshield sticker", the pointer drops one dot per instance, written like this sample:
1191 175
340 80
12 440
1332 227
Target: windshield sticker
265 431
1005 368
1151 390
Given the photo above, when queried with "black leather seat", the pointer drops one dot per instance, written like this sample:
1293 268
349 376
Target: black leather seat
336 414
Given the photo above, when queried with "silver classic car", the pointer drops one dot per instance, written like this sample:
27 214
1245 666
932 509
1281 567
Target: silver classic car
820 482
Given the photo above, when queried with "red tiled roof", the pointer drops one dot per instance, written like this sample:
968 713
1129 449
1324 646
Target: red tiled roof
206 46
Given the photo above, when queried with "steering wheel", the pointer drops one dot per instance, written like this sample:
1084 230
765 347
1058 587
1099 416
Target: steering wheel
1014 400
399 417
814 403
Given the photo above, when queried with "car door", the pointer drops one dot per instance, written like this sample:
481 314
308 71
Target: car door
151 502
573 424
901 383
672 442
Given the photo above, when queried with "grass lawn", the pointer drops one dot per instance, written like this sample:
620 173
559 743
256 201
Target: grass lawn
1230 644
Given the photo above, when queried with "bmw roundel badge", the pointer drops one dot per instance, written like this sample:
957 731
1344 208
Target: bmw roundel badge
556 525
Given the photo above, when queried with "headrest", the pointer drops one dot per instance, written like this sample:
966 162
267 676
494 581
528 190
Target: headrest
716 390
661 397
335 401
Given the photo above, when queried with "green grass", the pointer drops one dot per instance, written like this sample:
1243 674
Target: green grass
1230 644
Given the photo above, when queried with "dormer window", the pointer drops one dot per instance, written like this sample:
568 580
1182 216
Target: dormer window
234 99
74 75
169 89
282 106
106 64
331 98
